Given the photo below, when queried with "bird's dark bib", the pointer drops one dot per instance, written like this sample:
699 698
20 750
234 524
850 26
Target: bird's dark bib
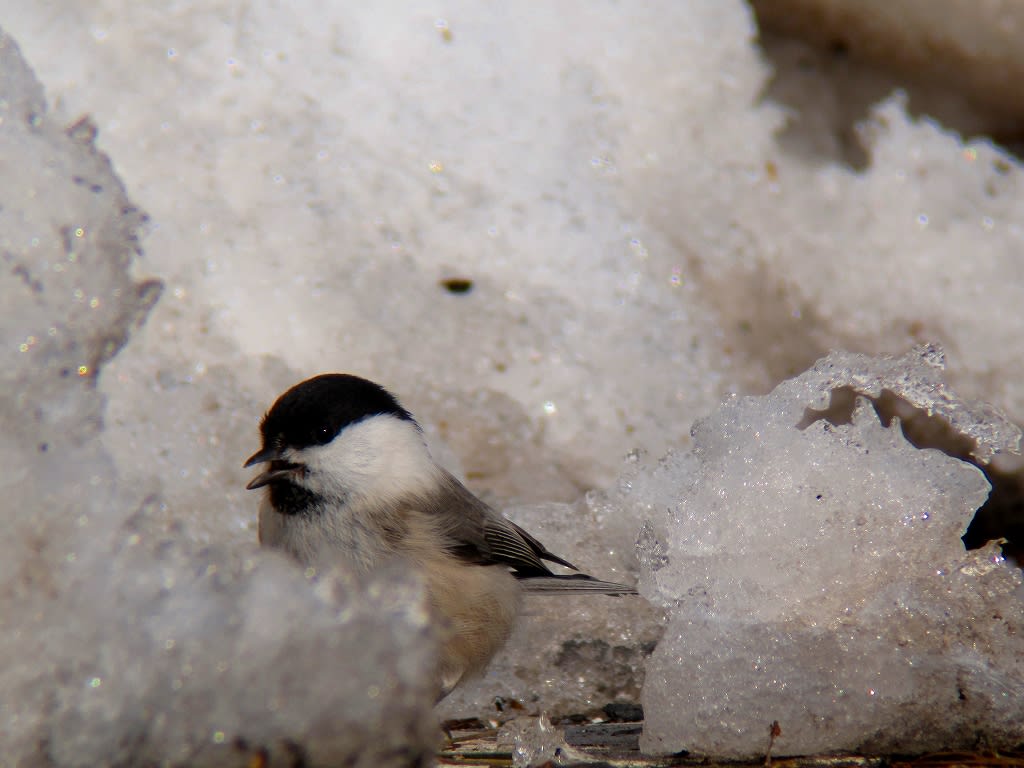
291 499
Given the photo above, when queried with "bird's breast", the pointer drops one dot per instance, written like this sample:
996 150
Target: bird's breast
332 531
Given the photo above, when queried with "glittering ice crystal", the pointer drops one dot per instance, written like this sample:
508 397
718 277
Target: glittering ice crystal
815 575
536 743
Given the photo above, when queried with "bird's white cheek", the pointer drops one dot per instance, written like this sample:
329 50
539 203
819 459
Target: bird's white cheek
380 456
335 473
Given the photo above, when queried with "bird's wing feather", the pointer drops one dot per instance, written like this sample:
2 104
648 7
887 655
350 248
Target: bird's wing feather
541 551
481 535
576 583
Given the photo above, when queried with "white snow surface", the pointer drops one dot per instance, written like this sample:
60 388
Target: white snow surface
640 247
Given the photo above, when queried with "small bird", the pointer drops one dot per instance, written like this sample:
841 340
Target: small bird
348 477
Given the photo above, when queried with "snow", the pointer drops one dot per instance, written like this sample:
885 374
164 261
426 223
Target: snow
640 245
126 639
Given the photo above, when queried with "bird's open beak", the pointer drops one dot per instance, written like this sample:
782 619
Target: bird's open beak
262 457
277 470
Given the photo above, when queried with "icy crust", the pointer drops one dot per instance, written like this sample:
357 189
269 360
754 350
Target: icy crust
815 576
916 377
126 642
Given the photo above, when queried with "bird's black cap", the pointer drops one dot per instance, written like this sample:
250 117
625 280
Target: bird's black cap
316 410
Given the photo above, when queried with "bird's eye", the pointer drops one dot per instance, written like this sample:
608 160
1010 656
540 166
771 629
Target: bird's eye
324 435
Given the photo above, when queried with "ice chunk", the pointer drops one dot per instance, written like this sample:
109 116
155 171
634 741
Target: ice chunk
815 576
536 743
178 654
916 378
125 640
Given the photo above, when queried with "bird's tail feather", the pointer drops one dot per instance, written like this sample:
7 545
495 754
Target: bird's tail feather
576 583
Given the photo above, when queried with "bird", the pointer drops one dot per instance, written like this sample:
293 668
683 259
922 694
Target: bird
347 476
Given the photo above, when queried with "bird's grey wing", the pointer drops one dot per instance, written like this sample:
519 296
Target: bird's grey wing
541 551
481 535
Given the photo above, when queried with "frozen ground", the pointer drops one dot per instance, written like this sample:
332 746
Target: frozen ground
639 245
